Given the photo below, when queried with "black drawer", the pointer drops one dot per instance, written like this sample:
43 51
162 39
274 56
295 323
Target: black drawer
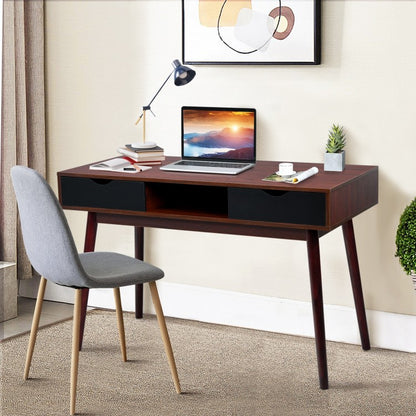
103 193
291 207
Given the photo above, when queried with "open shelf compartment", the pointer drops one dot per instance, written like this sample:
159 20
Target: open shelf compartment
193 200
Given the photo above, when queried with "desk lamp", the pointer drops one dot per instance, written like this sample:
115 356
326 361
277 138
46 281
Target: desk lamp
182 75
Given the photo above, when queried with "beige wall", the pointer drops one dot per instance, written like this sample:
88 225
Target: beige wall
105 60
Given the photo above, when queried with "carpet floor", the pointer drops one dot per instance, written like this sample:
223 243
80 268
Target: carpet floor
223 371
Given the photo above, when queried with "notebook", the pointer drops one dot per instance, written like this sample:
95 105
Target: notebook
216 140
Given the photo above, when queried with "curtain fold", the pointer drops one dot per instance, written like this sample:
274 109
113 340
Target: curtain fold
23 123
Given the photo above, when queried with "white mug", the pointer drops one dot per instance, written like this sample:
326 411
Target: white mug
285 169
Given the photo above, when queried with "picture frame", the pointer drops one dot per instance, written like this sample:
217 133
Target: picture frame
251 32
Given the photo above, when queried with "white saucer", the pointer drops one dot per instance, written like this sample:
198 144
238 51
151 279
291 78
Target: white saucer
146 145
286 174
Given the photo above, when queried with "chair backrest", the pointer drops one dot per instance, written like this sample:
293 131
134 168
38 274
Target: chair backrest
48 240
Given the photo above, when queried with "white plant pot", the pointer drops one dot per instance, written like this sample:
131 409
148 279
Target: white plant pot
334 162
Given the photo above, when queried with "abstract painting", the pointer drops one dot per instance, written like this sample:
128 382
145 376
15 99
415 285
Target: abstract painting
251 31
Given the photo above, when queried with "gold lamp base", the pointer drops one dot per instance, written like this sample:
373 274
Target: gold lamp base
145 144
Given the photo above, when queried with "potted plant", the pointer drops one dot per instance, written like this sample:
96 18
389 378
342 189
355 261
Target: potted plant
335 154
406 240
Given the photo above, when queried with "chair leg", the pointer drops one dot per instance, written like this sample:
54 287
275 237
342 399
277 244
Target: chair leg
35 326
165 335
75 348
120 323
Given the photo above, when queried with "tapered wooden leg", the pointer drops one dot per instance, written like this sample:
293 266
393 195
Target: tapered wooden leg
139 254
120 323
165 335
75 348
351 249
89 245
139 301
317 305
35 326
84 305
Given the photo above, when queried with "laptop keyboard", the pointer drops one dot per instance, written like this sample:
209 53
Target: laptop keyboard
213 164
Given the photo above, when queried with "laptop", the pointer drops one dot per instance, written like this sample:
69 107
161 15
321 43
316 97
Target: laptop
216 140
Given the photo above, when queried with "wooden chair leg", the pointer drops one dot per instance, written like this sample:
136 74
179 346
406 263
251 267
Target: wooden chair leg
75 348
120 323
35 326
165 335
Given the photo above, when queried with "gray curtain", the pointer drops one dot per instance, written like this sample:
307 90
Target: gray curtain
23 115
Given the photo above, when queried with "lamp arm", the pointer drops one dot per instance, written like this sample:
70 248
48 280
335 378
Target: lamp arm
147 107
160 89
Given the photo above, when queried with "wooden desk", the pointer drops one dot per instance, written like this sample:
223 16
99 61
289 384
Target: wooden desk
243 205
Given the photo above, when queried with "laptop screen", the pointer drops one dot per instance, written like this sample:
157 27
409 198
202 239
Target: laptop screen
218 133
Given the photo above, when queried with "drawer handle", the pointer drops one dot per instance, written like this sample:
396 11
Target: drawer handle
102 181
275 193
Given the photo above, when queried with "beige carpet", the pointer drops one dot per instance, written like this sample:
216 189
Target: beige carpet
223 371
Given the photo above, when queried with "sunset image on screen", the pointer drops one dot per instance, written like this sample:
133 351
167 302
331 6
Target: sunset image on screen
222 134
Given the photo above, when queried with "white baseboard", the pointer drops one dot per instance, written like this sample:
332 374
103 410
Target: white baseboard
387 330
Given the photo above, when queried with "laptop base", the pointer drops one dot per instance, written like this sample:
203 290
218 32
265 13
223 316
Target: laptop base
196 167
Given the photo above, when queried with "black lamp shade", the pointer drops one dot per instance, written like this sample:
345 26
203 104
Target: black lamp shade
182 74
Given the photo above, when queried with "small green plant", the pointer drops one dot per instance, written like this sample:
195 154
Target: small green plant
406 239
336 139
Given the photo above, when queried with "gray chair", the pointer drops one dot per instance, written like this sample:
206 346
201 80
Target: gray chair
52 252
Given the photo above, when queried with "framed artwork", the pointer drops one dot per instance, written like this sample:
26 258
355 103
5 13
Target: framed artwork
257 32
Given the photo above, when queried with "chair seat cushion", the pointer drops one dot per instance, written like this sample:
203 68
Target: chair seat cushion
109 270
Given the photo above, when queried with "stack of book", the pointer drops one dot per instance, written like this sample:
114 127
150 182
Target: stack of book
148 156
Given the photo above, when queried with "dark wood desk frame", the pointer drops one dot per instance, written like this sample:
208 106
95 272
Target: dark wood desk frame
241 205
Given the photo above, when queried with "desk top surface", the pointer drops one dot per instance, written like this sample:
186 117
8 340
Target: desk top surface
252 178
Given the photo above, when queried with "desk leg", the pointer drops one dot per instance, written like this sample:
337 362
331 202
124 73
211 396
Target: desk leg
89 245
350 246
317 305
139 254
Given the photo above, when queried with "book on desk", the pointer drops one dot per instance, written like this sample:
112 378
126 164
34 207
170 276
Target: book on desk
151 156
119 164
